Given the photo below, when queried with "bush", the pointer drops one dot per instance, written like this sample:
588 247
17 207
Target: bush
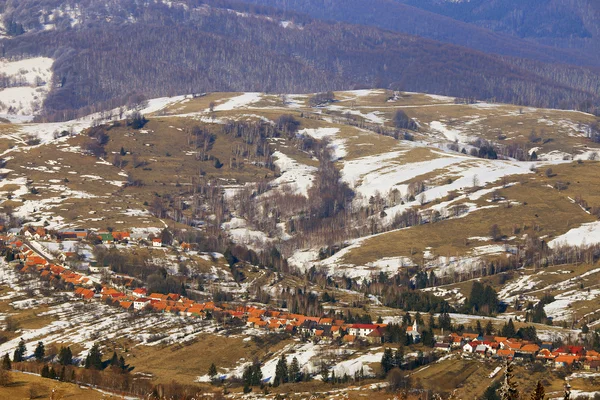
402 121
136 120
321 98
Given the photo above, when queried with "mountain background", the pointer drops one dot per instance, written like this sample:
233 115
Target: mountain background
109 53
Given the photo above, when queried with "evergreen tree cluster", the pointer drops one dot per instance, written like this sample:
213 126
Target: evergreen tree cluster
253 375
391 359
483 300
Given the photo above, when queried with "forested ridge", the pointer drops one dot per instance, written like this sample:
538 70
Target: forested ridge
416 18
107 52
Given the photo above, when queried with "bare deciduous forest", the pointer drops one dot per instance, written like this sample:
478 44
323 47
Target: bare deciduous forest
154 50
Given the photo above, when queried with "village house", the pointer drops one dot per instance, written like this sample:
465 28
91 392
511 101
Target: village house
140 302
481 349
120 236
470 346
77 233
139 292
445 347
505 353
376 336
591 365
565 360
349 339
361 330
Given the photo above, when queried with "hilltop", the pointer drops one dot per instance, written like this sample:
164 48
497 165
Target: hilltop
355 205
102 60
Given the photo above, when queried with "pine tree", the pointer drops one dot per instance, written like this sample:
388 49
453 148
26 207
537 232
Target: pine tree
294 370
419 318
114 361
94 358
65 356
508 390
324 371
6 364
478 328
52 373
489 328
406 319
399 357
20 351
281 371
508 329
45 371
212 371
252 374
39 352
539 393
246 376
122 364
431 322
387 361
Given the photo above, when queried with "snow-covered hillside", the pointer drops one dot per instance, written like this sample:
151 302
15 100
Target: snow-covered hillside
27 83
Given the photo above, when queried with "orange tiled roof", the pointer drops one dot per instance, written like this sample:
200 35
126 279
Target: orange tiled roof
567 359
349 338
505 353
126 304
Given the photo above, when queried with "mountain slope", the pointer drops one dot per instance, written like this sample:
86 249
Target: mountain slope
429 20
107 56
564 24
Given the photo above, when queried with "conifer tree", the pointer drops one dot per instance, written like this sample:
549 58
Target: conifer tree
212 371
508 329
508 390
65 356
399 357
539 393
20 351
6 364
294 370
94 358
387 361
257 375
431 322
114 361
39 352
419 318
489 328
122 364
324 371
281 371
52 373
478 328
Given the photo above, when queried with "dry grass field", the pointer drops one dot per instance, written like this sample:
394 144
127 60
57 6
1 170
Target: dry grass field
27 387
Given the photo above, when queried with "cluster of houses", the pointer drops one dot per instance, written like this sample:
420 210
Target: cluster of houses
106 237
511 348
137 299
